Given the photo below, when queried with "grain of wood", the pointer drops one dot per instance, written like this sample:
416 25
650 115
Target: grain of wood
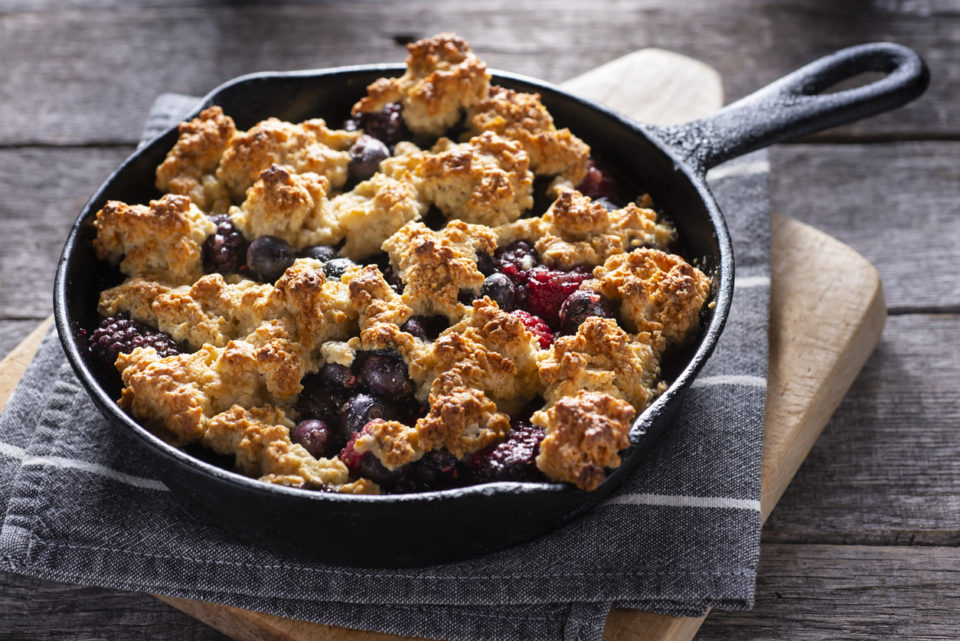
812 592
896 204
887 469
43 191
38 610
103 91
12 332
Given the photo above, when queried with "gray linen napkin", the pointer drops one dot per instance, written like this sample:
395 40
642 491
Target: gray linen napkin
78 503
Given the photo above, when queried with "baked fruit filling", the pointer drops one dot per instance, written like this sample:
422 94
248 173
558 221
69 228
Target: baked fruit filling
448 290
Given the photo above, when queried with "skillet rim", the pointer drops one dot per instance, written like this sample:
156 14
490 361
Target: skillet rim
722 297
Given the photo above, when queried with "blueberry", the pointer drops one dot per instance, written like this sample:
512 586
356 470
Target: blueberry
581 305
337 375
501 289
466 296
320 399
360 410
385 374
414 326
371 468
225 249
392 278
316 437
425 327
269 257
323 253
486 264
365 157
335 267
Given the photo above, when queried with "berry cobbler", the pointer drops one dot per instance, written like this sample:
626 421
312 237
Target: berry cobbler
385 307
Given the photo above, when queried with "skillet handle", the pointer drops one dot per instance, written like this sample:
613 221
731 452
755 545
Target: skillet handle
795 105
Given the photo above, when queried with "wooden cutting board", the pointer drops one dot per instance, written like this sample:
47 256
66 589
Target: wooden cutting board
826 315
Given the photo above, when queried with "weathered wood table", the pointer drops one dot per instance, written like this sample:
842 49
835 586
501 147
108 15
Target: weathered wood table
863 545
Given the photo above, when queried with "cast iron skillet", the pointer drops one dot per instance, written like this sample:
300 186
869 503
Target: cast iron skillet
426 528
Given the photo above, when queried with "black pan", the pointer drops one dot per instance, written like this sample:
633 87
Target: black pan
426 528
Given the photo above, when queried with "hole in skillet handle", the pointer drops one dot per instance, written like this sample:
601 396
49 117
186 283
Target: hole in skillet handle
798 104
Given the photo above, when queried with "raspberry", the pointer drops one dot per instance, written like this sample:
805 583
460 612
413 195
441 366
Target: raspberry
598 183
225 250
548 288
513 459
537 327
121 334
367 466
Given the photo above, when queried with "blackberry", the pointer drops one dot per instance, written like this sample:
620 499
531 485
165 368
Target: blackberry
519 254
387 125
121 334
513 459
437 470
225 250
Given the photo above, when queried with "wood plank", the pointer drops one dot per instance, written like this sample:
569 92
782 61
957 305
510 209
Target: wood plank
43 191
12 332
103 90
39 610
894 203
887 468
804 593
861 593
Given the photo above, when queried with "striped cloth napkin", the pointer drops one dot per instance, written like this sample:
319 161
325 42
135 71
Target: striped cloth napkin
78 503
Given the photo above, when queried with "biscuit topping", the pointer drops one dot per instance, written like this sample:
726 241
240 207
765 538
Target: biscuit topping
382 307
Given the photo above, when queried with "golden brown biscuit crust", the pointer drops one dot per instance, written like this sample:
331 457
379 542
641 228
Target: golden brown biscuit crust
254 342
578 231
657 291
286 205
584 435
190 167
160 242
523 118
310 146
443 77
486 180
